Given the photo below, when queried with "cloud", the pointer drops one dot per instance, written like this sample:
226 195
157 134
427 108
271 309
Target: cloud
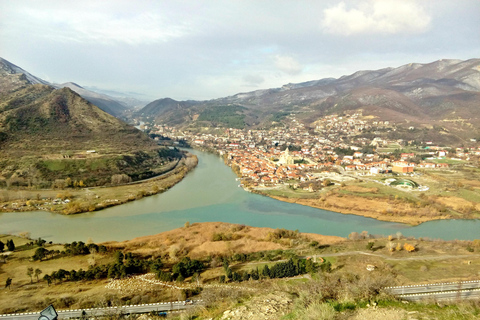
87 26
288 64
376 17
253 79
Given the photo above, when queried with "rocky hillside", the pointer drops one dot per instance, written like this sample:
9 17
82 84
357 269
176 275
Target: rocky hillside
47 133
103 101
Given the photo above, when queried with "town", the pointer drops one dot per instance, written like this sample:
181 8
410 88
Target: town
291 154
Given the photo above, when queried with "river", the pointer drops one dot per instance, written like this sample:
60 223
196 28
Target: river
210 193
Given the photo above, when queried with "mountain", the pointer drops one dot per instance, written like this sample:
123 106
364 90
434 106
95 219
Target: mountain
108 104
48 134
9 68
116 106
444 93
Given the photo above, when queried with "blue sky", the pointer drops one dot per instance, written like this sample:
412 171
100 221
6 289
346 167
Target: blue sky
209 49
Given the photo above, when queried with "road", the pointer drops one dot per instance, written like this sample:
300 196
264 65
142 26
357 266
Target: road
71 314
438 291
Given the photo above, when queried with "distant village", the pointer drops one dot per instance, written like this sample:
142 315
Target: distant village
294 153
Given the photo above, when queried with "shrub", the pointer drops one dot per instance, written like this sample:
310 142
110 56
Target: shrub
409 247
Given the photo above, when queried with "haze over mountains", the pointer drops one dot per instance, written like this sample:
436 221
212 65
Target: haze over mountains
117 106
444 93
40 126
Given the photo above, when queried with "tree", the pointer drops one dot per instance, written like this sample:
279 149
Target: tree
391 246
266 272
408 247
370 245
8 283
2 246
10 245
30 273
47 278
37 273
354 236
119 257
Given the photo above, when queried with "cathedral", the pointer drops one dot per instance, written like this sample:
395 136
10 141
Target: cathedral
285 158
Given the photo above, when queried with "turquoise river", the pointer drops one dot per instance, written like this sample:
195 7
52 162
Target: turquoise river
210 193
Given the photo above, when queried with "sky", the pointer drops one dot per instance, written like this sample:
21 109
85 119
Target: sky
203 50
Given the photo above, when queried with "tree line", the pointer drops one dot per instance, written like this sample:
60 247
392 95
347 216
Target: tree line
291 268
10 245
123 266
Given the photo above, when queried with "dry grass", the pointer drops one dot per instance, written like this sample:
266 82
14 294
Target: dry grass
434 261
196 241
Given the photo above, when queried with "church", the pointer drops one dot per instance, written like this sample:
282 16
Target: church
285 158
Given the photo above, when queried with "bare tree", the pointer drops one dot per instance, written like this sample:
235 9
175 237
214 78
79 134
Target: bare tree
30 273
37 273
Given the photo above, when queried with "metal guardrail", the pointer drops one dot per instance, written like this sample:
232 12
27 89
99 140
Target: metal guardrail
171 306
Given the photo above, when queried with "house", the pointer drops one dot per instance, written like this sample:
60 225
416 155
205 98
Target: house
402 169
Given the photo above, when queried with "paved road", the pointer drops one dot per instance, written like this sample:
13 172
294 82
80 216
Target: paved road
436 287
442 296
141 308
438 291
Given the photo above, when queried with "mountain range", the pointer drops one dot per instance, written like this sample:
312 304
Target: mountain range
118 105
48 134
444 94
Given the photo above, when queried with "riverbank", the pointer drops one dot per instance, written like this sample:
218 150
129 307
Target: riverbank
360 207
74 201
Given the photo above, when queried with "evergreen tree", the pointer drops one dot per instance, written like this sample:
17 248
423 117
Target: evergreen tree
8 283
119 257
10 245
266 272
229 273
47 278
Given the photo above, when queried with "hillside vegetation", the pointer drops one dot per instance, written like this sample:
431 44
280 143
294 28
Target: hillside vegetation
48 136
240 272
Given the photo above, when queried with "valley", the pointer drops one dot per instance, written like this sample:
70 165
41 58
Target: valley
365 145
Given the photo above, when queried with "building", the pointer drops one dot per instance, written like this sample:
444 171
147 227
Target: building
286 158
402 169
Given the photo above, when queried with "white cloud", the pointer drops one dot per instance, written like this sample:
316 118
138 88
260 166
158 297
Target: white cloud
376 17
288 64
104 27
